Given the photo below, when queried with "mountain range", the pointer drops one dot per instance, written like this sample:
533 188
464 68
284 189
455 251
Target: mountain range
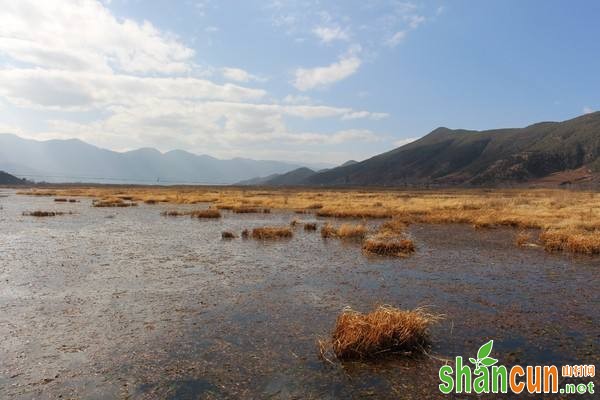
76 161
546 153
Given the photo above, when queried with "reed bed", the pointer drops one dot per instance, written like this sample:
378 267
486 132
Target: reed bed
116 202
272 232
60 200
345 231
569 220
382 331
388 244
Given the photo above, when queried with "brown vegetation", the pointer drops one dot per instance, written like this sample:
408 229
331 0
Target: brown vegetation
382 331
228 235
208 213
310 226
573 216
272 232
345 231
60 200
114 202
245 234
43 213
388 244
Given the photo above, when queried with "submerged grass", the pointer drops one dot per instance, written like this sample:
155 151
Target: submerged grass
114 202
384 330
208 213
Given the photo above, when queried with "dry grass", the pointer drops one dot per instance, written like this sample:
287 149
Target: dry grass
310 226
522 238
228 235
271 232
60 200
384 330
250 210
43 213
245 234
575 214
388 244
114 202
572 241
208 213
174 213
328 231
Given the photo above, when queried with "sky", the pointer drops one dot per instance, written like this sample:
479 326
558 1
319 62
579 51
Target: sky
291 80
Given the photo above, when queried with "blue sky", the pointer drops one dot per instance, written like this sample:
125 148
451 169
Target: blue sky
301 80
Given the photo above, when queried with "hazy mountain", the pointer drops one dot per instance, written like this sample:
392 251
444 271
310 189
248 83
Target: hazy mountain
349 162
547 152
295 177
76 161
8 179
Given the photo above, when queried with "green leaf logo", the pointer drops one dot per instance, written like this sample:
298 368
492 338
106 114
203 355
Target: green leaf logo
485 350
483 360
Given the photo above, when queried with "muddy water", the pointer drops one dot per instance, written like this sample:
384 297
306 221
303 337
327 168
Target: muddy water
124 303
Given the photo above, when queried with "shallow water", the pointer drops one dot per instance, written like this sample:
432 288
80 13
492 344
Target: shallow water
124 303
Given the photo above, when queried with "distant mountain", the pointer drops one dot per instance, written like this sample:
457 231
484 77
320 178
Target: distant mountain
8 179
545 153
349 162
295 177
76 161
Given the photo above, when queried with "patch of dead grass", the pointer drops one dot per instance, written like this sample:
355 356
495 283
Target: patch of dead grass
384 330
272 232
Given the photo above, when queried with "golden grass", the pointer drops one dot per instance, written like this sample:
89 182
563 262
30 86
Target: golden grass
384 330
576 214
328 231
522 239
113 202
572 241
272 232
345 231
228 235
388 244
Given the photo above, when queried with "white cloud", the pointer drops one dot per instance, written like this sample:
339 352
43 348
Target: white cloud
587 110
396 38
85 35
81 72
311 78
239 75
330 34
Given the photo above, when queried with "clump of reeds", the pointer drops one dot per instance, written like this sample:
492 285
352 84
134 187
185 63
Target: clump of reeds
228 235
310 226
345 231
42 213
349 231
73 201
272 232
60 200
208 213
314 206
295 222
245 234
388 244
382 331
394 225
150 201
225 207
574 241
118 202
328 231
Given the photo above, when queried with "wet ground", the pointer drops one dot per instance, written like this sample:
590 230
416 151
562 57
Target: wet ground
125 303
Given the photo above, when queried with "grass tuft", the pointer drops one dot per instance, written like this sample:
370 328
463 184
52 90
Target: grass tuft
384 330
208 213
310 226
115 202
228 235
388 244
43 213
271 232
